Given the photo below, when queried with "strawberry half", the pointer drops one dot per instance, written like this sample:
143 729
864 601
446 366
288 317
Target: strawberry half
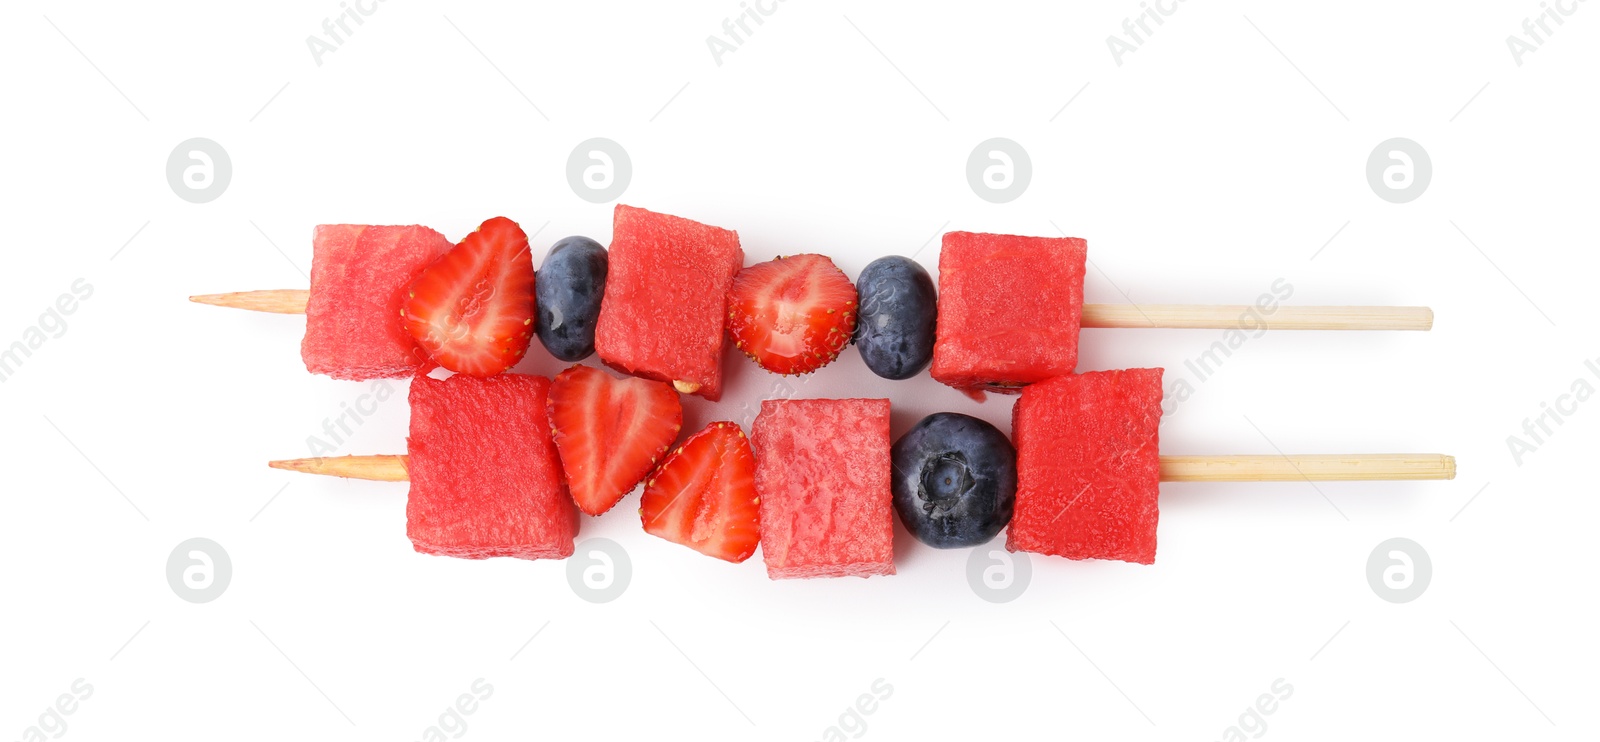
472 309
792 315
609 432
704 495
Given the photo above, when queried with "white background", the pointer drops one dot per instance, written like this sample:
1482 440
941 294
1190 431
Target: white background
1201 169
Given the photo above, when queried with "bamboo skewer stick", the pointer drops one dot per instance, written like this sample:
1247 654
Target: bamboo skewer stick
1250 468
1284 317
1309 467
1122 316
386 468
276 301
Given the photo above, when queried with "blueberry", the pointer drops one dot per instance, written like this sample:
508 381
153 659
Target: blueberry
894 327
955 480
567 290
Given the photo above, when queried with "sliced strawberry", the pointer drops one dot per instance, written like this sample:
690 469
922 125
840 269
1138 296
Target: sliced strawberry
704 495
610 432
792 315
472 309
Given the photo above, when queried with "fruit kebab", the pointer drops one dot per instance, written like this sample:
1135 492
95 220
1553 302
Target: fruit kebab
501 466
671 292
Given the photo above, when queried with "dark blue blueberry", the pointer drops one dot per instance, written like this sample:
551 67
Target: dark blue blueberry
567 290
894 327
955 480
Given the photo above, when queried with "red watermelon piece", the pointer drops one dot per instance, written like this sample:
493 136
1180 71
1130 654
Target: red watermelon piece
1088 466
1009 310
822 474
359 275
485 477
666 298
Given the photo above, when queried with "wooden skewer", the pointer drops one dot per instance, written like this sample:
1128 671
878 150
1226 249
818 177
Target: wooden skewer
1311 467
386 468
1241 316
276 301
1123 316
1267 468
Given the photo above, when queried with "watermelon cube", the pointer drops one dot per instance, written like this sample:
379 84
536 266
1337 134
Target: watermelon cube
1088 467
359 276
485 477
822 474
1009 309
666 299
